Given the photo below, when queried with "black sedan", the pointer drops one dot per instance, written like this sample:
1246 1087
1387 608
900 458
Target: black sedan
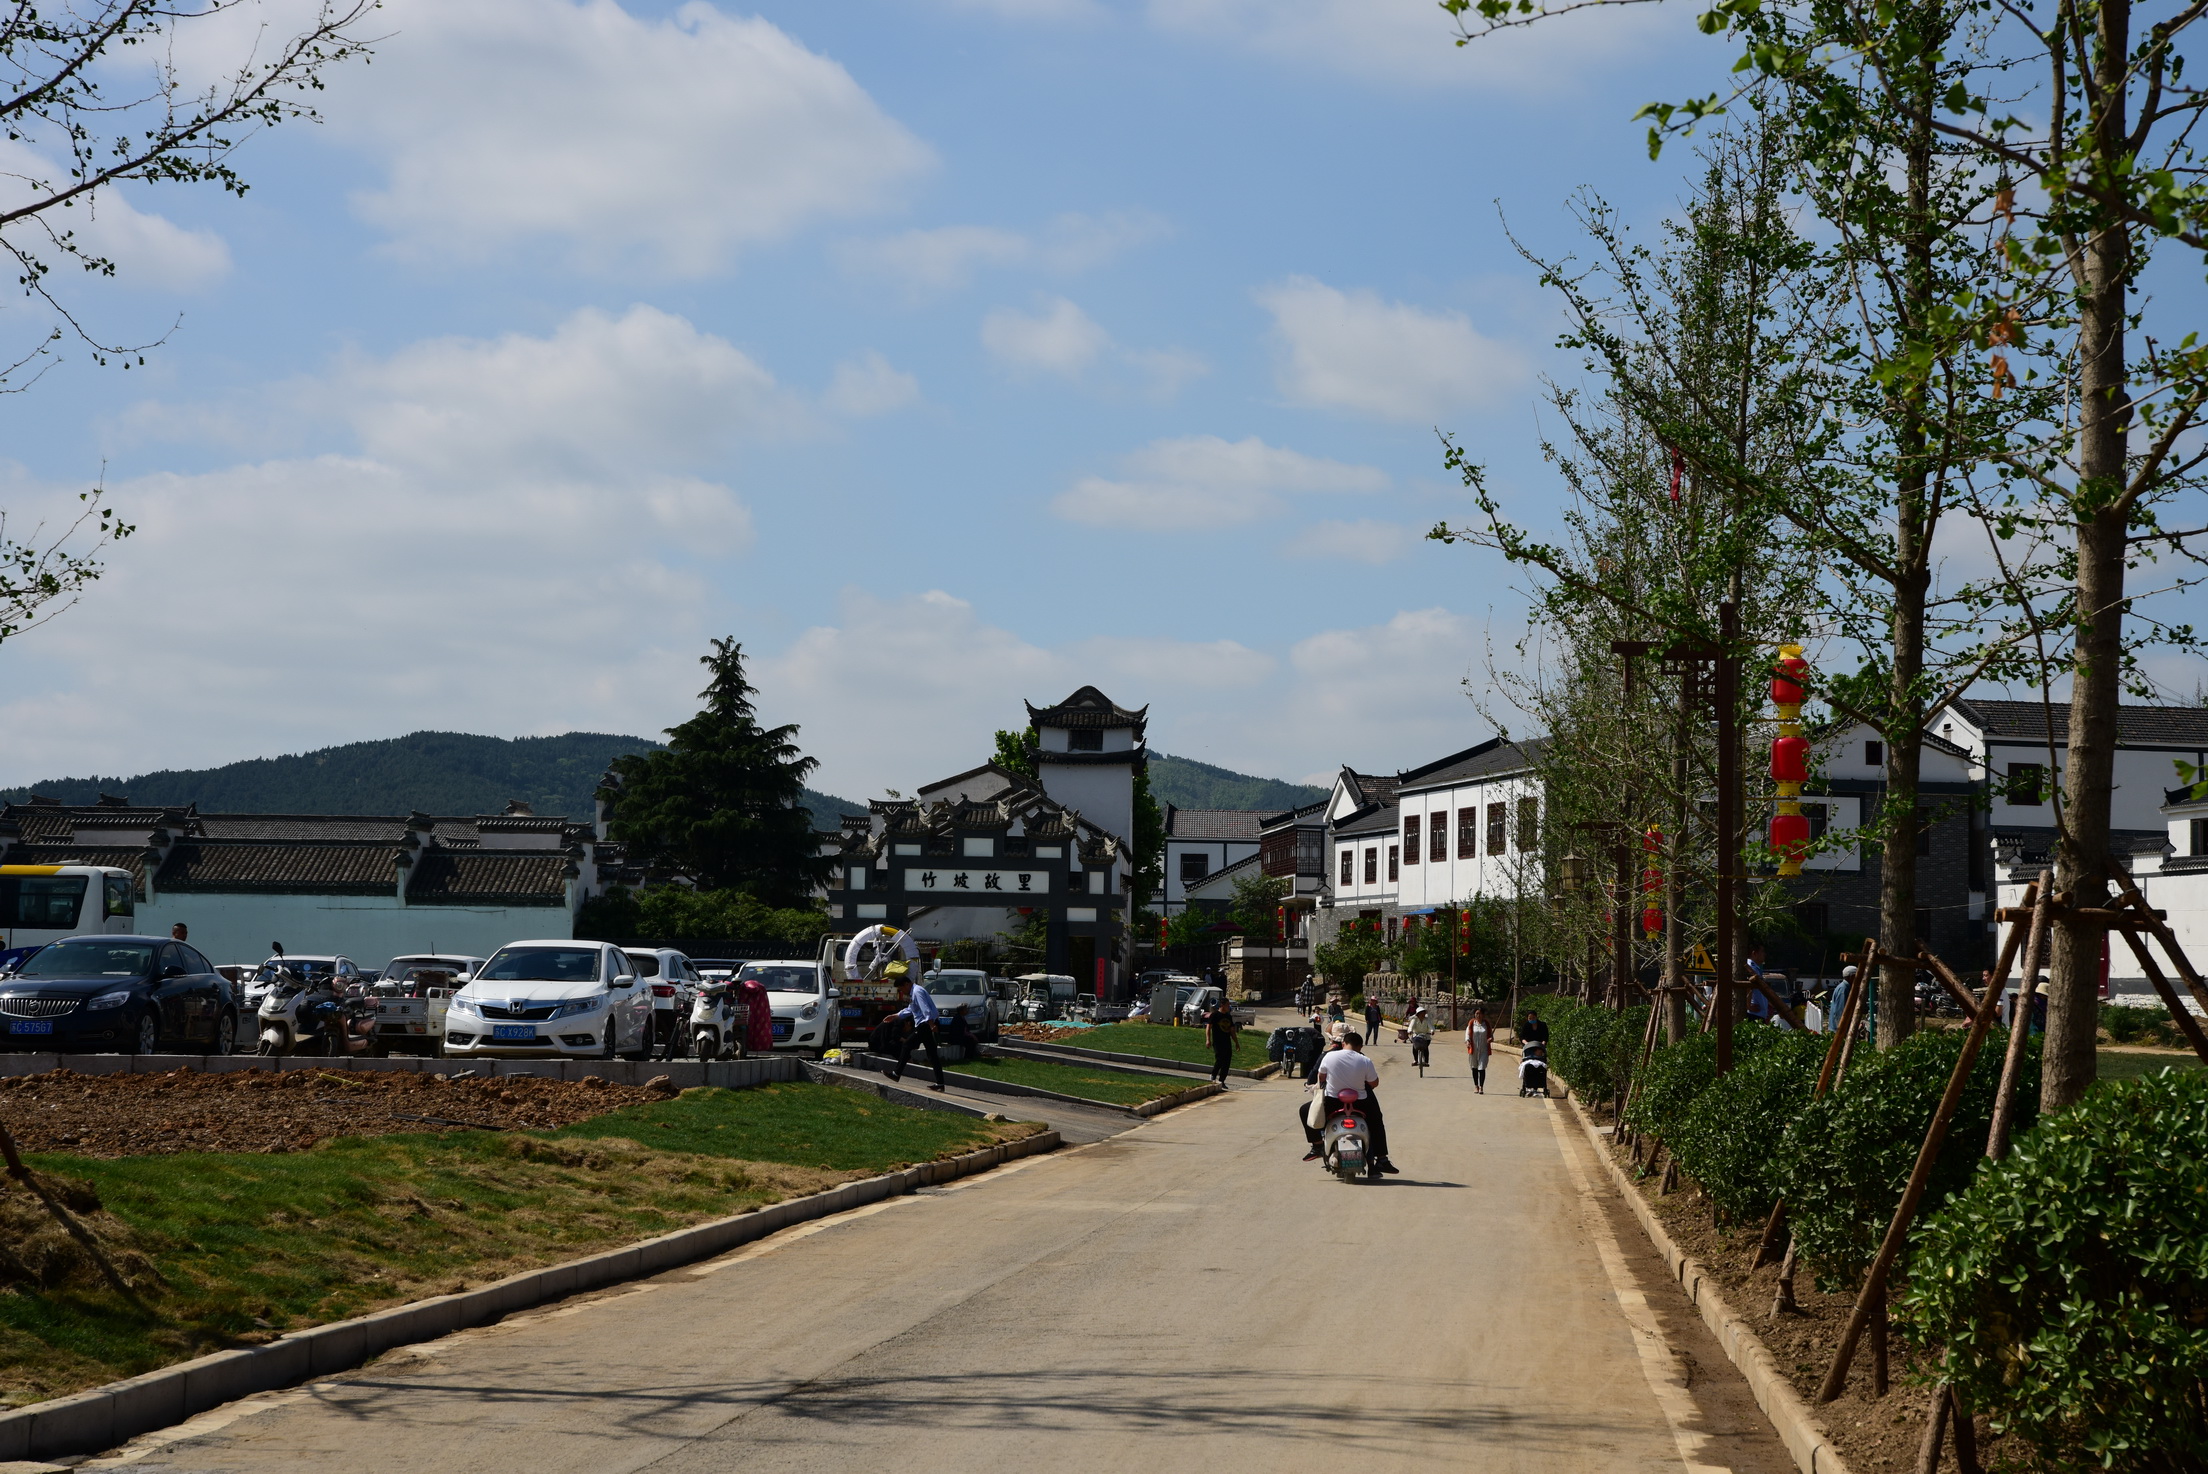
140 995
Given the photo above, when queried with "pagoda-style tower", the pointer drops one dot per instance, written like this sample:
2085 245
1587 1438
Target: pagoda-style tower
1091 748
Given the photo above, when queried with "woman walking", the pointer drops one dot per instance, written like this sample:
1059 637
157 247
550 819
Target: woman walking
1478 1037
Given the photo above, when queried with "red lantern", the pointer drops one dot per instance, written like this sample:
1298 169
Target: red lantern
1790 760
1786 689
1790 834
1652 921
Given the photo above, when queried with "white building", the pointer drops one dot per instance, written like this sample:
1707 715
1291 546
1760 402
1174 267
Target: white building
1201 843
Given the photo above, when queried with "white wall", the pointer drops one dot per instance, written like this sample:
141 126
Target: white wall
369 929
1102 793
1221 853
1455 879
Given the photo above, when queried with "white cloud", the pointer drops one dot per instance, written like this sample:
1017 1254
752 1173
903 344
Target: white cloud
868 385
1363 541
1205 481
1397 41
148 250
515 547
1353 351
676 141
1380 697
1061 339
923 262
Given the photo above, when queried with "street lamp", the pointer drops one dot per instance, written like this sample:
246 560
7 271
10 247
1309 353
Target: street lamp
1574 870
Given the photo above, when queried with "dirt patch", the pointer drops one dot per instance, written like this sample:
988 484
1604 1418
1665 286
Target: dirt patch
1872 1433
280 1110
1041 1033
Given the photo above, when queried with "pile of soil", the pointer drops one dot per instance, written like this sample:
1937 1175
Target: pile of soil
280 1110
1873 1433
1041 1033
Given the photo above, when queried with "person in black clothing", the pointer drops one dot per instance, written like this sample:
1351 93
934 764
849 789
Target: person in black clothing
1531 1030
1219 1034
1310 1044
1372 1019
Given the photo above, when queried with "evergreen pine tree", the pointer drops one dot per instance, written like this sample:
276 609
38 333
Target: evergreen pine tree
723 803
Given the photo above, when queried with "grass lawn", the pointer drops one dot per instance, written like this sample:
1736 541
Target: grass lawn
2130 1064
1108 1086
1163 1041
248 1245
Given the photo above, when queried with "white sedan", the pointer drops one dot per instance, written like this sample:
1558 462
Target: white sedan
567 999
803 1005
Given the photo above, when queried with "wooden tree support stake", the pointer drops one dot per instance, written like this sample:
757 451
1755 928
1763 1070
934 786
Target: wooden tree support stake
76 1230
1935 1431
1873 1294
2152 920
1842 1029
1783 1303
2179 1013
2020 1030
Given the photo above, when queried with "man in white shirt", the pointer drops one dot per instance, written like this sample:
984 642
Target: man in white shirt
1348 1069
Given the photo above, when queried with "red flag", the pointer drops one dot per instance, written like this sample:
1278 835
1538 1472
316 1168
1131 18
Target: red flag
1678 469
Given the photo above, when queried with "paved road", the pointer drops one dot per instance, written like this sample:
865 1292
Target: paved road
1184 1296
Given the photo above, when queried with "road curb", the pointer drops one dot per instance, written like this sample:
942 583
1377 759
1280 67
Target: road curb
104 1417
1798 1427
1142 1061
987 1086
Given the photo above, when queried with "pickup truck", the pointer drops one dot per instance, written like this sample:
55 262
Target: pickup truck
1194 1001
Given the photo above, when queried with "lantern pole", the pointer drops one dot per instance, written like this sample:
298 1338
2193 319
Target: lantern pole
1728 828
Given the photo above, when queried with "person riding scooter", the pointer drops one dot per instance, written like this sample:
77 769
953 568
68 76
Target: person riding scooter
1347 1069
1421 1030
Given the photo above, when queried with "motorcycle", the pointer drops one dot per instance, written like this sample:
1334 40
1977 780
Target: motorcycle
718 1022
1345 1146
300 1017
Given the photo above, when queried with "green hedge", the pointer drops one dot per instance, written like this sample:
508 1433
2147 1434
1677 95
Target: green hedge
1731 1136
1846 1158
2070 1283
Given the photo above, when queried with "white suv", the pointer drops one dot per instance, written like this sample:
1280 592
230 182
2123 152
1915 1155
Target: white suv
667 974
559 997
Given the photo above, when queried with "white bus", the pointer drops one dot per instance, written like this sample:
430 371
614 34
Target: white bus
44 903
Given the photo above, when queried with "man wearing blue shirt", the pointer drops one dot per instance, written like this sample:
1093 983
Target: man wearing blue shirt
921 1010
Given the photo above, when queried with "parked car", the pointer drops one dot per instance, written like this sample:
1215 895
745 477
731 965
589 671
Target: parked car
1194 1002
137 994
559 997
968 988
1044 996
673 985
412 996
800 1001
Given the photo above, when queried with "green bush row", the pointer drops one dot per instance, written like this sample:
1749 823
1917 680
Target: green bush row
2069 1284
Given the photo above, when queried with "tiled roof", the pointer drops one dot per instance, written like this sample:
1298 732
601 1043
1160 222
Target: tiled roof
1378 819
1087 707
303 826
2146 726
1490 757
124 857
1310 813
1214 823
335 868
517 823
489 877
1371 788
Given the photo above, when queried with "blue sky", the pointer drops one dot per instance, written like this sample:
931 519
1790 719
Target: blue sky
945 353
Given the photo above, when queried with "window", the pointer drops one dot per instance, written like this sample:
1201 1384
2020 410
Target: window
1496 823
1814 917
50 902
1194 866
1437 837
1820 819
1372 865
1924 927
2027 785
1394 858
1310 852
1349 866
1085 739
120 897
1529 824
1874 754
1924 830
1468 833
1410 840
2199 845
855 878
193 961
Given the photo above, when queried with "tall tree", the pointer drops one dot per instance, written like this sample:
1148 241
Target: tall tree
722 803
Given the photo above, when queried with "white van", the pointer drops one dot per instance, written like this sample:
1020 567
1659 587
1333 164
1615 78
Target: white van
44 903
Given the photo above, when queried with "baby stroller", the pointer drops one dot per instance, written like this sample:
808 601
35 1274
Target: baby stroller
1533 1072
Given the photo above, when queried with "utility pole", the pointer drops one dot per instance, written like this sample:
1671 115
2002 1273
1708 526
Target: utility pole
1727 698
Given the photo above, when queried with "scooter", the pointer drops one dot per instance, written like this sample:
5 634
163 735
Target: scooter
299 1017
1345 1146
718 1022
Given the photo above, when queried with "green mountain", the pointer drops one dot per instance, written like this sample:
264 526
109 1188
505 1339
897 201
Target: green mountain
436 772
1189 784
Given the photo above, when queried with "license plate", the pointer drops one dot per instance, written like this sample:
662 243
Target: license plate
31 1026
851 1013
522 1033
781 1028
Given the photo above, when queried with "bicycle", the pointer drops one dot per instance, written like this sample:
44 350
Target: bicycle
1422 1046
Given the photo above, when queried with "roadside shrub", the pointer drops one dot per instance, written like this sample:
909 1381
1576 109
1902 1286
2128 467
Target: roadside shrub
1727 1138
2125 1025
1676 1074
1594 1048
2070 1283
1846 1158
